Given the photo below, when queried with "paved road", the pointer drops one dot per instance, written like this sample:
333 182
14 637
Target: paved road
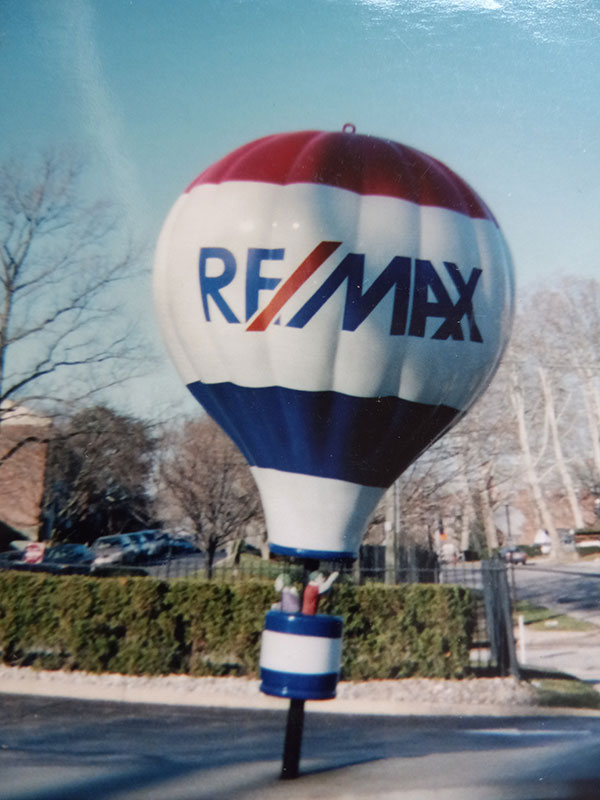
570 589
54 749
575 653
567 589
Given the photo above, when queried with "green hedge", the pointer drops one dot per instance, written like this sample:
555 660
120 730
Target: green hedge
145 626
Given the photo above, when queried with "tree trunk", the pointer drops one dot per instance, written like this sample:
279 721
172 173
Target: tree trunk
489 526
468 509
236 551
530 470
558 451
265 552
209 558
392 502
590 404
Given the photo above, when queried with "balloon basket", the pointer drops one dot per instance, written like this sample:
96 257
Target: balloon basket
301 655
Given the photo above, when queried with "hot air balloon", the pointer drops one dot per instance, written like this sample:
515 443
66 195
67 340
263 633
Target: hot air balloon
336 302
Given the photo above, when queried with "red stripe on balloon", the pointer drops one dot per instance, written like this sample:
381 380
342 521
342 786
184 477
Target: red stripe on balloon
363 164
299 276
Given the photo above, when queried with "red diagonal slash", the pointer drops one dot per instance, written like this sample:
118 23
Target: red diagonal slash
301 274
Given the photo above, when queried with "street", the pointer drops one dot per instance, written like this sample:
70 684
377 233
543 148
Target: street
569 588
572 589
56 749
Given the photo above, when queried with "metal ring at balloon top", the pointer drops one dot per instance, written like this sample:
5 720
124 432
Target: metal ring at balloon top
349 127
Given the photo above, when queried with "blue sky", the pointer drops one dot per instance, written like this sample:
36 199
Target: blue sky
506 92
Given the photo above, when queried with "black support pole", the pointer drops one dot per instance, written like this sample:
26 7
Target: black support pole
293 740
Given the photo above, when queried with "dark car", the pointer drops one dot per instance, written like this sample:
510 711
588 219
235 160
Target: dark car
148 541
11 557
514 555
68 553
176 545
136 545
67 558
155 542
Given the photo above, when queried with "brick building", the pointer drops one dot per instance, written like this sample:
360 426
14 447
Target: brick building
22 474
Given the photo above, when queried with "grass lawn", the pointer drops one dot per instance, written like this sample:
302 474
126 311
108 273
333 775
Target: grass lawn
539 618
566 692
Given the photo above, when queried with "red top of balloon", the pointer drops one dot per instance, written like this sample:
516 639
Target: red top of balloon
367 165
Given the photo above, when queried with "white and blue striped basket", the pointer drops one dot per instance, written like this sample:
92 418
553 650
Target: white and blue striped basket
301 655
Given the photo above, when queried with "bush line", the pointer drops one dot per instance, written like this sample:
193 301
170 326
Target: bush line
143 626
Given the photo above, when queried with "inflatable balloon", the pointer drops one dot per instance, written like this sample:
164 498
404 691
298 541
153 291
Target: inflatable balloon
336 302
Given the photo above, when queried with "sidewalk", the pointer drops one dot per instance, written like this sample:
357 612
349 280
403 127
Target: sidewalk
576 653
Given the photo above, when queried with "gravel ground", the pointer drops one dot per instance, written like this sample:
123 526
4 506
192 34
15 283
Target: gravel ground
401 696
472 691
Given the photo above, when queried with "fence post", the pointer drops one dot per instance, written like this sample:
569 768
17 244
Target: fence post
496 593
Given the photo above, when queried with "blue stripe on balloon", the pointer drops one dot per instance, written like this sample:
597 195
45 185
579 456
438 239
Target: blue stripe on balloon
364 440
321 555
299 687
322 625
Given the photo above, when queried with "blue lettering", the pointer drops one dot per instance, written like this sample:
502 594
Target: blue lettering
464 306
426 278
211 286
430 298
358 305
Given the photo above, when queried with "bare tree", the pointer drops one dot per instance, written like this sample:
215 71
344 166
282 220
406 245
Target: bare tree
61 258
558 448
205 483
572 314
482 479
554 391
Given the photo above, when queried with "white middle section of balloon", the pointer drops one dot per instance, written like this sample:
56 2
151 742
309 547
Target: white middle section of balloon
366 362
304 512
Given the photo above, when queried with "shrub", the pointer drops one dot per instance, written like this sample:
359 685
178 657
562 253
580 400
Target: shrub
146 626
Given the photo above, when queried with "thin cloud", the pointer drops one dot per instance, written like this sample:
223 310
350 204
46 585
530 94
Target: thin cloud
100 115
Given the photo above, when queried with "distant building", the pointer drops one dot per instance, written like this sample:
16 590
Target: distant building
23 432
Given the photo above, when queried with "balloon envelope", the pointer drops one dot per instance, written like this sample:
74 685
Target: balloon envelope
336 302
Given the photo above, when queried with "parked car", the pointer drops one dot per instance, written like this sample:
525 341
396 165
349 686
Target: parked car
136 546
162 541
158 539
68 553
10 557
513 554
63 558
148 541
176 545
116 549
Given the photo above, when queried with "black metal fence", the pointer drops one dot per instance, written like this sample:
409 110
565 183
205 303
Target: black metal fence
493 647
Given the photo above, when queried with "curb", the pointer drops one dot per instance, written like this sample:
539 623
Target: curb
244 694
